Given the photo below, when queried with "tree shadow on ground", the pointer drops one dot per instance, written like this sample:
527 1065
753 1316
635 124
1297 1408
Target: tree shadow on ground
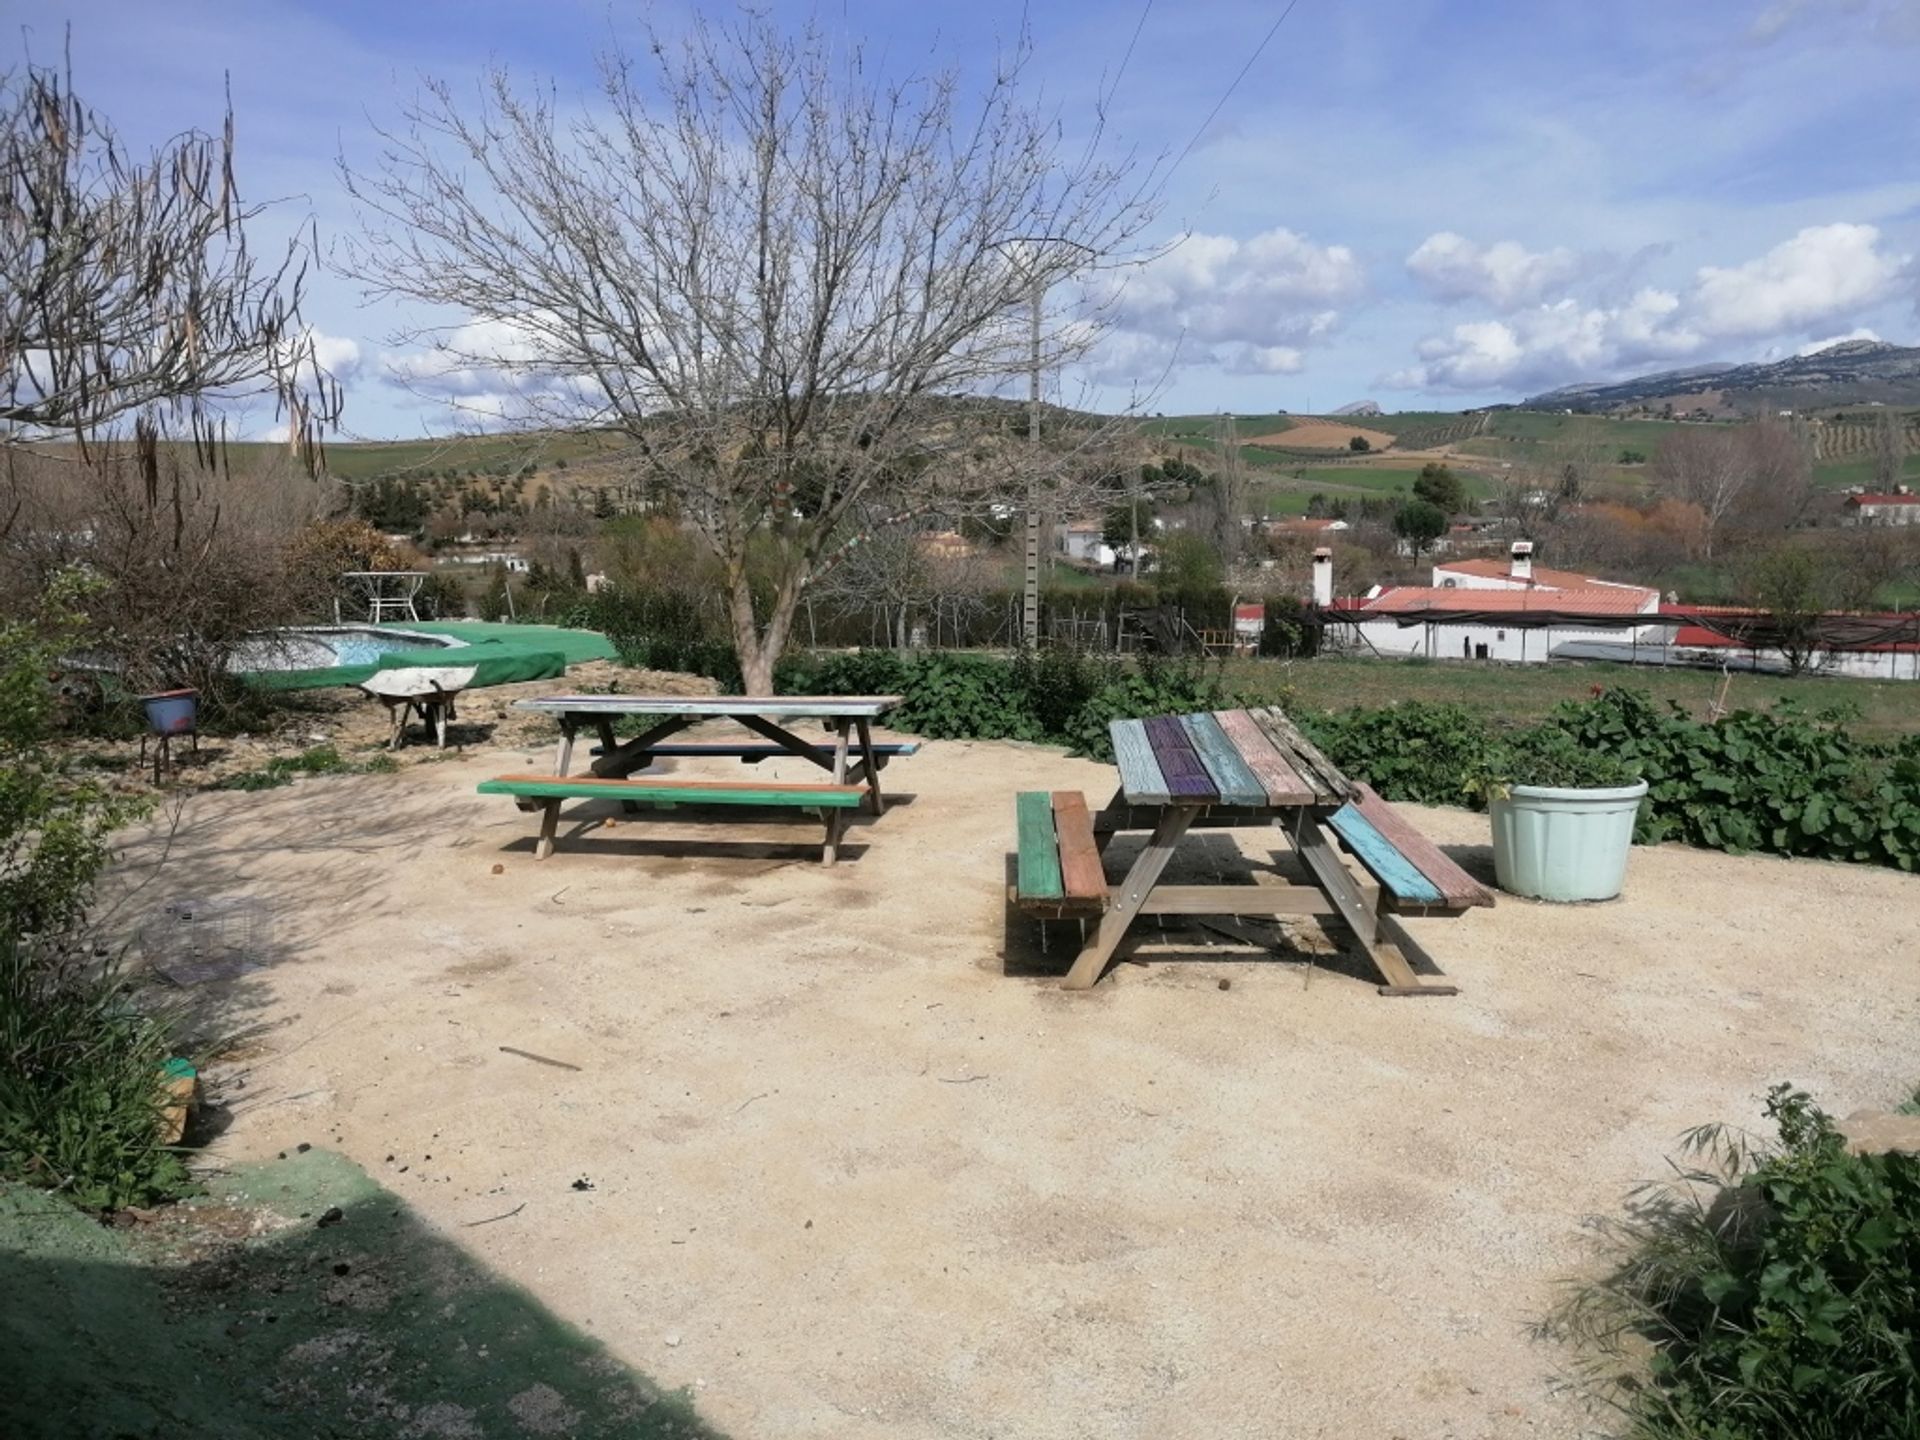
346 1317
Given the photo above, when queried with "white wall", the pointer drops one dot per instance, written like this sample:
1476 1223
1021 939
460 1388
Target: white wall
1442 641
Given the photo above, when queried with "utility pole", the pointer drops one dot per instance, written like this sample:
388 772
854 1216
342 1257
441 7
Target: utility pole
1030 611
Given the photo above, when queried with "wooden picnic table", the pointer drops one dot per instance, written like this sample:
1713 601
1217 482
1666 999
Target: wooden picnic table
1237 769
854 768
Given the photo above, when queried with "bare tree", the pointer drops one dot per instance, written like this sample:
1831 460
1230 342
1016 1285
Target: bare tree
1779 488
776 273
128 294
1704 466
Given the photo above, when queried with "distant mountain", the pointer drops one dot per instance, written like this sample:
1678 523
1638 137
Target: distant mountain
1358 407
1854 372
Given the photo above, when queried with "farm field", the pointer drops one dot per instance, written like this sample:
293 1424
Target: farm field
1844 474
1518 694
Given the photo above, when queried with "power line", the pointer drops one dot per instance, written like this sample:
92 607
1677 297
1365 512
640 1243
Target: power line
1221 104
1121 74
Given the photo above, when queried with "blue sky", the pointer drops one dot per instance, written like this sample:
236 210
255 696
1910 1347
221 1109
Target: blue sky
1428 204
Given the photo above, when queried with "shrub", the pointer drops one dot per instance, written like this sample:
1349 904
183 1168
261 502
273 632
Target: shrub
1784 782
1550 757
1778 1285
1416 750
80 1088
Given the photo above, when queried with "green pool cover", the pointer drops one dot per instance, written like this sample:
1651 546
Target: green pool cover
500 655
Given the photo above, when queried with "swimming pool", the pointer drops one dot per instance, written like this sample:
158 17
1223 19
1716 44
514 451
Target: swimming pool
325 647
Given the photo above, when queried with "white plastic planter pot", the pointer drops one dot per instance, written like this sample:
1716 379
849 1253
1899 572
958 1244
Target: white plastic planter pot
1554 844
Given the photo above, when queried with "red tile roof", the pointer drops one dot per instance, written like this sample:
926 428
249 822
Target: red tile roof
1543 577
1883 499
1582 600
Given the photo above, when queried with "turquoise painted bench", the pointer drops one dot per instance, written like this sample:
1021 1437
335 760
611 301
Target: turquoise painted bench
1410 868
546 792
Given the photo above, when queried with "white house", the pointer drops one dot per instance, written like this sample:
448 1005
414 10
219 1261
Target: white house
1902 507
1484 610
1081 540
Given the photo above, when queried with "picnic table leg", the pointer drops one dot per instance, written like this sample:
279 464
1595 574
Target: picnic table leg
618 762
1128 899
566 747
442 712
870 766
398 715
1363 919
1103 838
549 822
830 852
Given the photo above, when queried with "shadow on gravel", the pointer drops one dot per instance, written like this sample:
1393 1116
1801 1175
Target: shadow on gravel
298 1299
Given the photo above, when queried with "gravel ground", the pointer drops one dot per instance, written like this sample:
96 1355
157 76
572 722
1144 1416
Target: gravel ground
858 1168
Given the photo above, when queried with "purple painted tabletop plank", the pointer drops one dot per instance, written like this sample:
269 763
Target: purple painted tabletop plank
1186 776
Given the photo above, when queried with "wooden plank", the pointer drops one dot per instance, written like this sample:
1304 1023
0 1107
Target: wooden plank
1140 773
1039 870
1237 900
1118 819
1187 778
800 707
1080 870
1366 922
1133 892
753 751
1382 860
1232 779
669 791
1323 791
1287 735
1282 782
1455 885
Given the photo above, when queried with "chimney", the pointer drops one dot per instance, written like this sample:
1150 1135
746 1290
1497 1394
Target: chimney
1523 560
1323 577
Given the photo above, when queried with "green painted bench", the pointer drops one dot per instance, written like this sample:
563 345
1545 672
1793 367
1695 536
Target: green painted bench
546 792
1059 871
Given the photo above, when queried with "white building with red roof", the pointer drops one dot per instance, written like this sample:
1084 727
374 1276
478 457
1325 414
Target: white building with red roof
1489 610
1902 507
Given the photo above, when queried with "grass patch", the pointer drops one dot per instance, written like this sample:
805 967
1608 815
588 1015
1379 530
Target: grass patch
1840 474
320 760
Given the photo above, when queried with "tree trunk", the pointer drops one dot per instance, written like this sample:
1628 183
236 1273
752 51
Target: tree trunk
760 648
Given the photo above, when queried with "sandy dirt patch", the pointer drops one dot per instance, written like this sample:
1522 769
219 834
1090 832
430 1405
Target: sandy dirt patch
825 1161
1321 435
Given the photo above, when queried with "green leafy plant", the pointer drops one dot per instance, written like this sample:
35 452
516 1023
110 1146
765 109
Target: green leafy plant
1546 757
1415 750
1771 1289
80 1084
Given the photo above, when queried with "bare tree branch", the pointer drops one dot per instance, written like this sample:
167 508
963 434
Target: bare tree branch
780 276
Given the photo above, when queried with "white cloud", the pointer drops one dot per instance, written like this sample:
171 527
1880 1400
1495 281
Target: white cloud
1806 283
1814 347
1820 274
1505 274
338 356
1267 360
1248 306
1894 20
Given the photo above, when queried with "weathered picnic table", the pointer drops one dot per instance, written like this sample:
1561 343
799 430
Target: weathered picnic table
854 768
1236 768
